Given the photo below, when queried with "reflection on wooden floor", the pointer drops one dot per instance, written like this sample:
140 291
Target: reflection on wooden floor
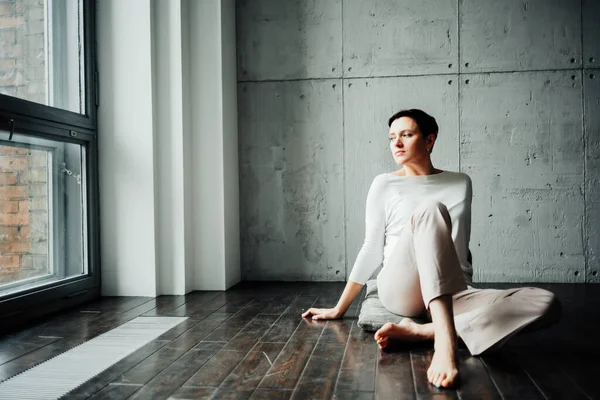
250 342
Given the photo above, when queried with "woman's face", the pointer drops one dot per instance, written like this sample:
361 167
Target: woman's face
407 143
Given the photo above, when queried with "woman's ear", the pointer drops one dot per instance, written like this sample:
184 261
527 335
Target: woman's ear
430 140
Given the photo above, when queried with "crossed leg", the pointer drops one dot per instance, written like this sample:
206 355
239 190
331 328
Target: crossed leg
423 272
485 319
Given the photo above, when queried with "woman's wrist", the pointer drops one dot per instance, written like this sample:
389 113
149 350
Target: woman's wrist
338 311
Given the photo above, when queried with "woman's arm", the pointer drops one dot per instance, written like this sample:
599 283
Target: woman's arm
350 292
369 257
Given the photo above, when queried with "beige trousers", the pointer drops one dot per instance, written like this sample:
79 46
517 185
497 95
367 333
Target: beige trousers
421 264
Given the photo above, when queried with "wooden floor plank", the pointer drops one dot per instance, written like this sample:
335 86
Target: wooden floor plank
232 327
549 377
510 378
278 305
11 349
165 304
117 305
336 331
354 395
475 381
289 321
170 379
251 333
153 365
574 345
421 359
583 369
287 368
192 393
319 377
394 378
357 371
282 330
216 370
264 394
116 392
558 362
248 374
178 330
199 305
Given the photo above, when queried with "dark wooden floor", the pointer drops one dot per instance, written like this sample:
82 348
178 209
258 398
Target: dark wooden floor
250 342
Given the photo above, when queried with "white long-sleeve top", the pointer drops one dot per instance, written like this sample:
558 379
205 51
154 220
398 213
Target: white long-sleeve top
390 203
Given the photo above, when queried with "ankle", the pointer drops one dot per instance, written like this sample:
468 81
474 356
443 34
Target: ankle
446 344
424 332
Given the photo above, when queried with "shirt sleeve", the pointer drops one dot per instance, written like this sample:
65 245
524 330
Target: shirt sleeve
466 227
371 254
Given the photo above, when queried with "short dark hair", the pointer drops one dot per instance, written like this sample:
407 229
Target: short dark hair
424 121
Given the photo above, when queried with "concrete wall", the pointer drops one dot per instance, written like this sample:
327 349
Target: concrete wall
514 86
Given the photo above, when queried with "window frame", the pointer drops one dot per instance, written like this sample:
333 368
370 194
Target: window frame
38 120
20 109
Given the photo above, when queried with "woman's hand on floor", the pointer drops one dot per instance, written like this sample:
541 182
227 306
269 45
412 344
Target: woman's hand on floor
322 313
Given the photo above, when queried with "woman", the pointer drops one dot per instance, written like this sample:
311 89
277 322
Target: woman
418 222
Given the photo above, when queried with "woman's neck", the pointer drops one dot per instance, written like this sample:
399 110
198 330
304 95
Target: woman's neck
417 170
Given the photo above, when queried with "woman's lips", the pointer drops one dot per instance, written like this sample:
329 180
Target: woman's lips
398 153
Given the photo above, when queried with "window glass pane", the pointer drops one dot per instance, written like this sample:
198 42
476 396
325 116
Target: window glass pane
41 52
42 213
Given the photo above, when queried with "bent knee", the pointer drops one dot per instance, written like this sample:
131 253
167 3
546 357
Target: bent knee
431 207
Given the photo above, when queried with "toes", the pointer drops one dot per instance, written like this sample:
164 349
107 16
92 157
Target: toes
435 378
438 380
450 380
441 380
431 377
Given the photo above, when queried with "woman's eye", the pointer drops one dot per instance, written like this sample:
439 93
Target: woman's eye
392 138
407 135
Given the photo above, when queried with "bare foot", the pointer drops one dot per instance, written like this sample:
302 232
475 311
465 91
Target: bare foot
407 330
443 371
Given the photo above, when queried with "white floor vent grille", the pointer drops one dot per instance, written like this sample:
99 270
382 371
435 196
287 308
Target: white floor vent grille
63 373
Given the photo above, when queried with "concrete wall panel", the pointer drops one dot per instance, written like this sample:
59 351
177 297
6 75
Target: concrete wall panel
291 180
521 143
519 35
592 181
390 37
520 117
289 39
591 33
368 103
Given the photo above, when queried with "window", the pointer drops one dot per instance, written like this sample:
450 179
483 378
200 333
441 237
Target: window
42 228
41 49
48 164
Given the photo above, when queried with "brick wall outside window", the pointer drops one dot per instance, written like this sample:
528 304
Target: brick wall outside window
23 213
22 49
23 172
